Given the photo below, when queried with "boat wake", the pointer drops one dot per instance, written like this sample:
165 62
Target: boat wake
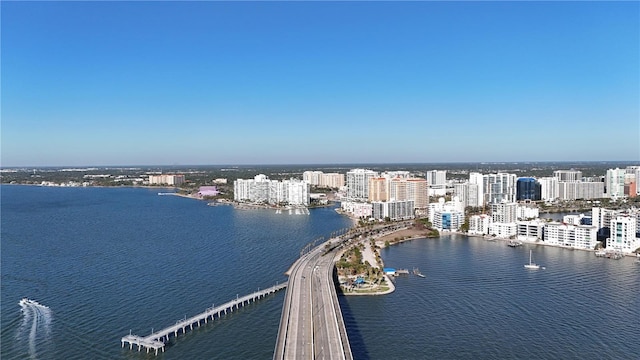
36 324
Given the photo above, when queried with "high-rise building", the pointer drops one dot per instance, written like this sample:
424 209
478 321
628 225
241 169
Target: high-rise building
528 188
263 190
548 188
378 189
417 192
635 170
504 212
623 235
614 183
394 210
318 178
468 193
166 179
312 177
437 182
580 190
568 175
332 180
477 179
358 184
499 187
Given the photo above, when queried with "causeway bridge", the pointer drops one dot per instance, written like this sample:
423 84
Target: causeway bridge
311 326
157 340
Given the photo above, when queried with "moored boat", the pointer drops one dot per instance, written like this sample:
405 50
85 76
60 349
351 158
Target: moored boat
417 272
531 265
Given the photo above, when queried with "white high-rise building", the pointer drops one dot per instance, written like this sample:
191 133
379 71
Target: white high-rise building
601 218
504 212
499 187
263 190
548 188
394 210
568 175
580 190
477 179
358 184
623 234
614 183
437 181
312 177
468 193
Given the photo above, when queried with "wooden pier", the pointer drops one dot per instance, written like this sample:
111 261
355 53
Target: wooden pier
157 340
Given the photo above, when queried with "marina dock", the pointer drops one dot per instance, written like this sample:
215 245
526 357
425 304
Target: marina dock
157 340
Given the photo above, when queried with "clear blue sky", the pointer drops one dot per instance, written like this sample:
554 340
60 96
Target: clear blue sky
164 83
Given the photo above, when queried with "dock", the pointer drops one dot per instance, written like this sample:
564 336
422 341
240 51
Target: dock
157 340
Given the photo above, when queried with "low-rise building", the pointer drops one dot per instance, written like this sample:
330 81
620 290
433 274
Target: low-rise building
357 209
568 235
503 230
530 231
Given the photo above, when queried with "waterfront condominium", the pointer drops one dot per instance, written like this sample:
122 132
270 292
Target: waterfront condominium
394 210
262 190
624 234
318 178
378 189
569 235
166 179
614 182
358 184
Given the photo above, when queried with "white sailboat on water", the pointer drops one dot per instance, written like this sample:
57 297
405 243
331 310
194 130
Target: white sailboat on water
531 264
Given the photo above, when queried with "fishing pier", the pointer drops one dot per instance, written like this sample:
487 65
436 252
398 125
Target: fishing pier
157 340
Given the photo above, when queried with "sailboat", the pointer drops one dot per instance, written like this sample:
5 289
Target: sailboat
531 264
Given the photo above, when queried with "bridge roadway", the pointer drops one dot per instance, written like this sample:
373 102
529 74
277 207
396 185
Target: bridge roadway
311 326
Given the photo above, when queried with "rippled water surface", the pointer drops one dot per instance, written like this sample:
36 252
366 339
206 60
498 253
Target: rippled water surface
102 262
478 302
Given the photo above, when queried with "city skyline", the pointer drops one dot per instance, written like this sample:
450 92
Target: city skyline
204 83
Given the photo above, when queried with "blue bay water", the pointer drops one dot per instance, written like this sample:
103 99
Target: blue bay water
104 261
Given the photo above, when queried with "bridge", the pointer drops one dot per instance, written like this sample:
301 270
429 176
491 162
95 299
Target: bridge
311 326
157 340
